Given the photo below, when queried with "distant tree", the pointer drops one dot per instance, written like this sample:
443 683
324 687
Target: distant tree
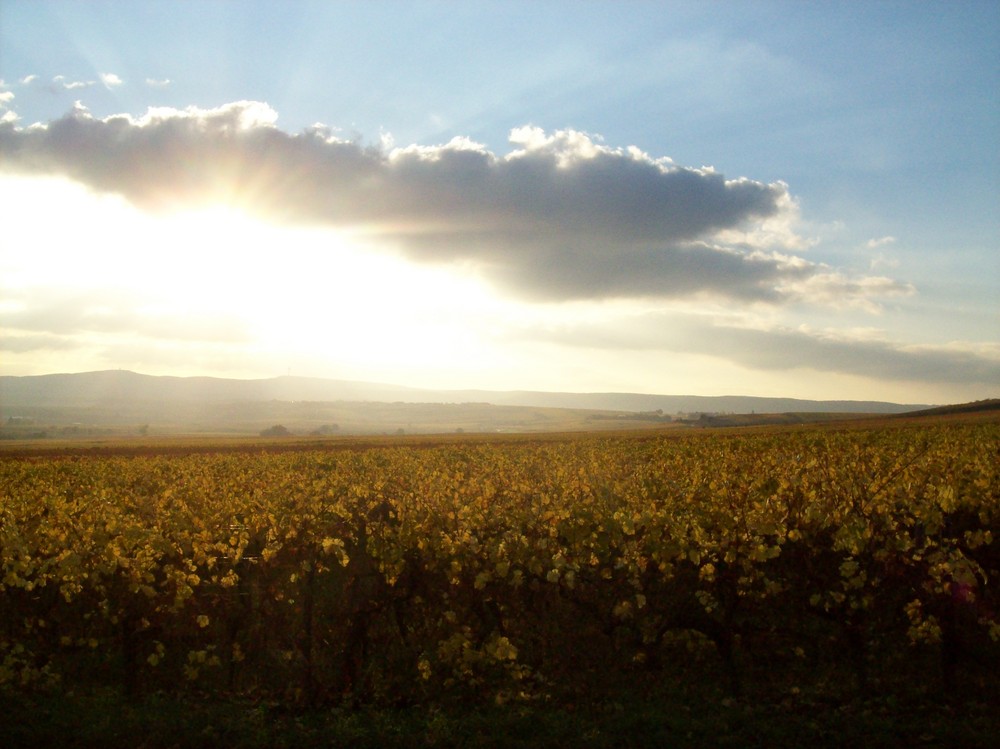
276 431
326 429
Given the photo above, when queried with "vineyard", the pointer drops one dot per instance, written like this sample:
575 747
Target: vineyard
506 573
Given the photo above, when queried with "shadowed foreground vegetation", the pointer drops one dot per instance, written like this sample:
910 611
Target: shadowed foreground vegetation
659 716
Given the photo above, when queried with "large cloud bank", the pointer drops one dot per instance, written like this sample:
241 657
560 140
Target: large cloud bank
783 349
561 216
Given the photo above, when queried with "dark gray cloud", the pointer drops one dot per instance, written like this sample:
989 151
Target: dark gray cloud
559 217
788 349
782 349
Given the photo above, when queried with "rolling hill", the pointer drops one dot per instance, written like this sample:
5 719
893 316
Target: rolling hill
118 397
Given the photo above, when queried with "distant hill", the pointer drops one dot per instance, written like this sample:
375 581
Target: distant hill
93 388
677 404
117 401
990 404
113 388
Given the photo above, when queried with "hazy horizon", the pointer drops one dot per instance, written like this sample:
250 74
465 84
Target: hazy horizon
403 387
758 198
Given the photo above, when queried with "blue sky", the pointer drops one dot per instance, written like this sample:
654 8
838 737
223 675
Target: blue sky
781 198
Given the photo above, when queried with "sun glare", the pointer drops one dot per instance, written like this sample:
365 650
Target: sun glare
295 294
317 293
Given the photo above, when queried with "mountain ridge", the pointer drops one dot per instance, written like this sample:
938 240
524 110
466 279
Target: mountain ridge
107 387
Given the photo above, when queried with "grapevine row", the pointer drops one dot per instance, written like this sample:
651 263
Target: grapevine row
502 570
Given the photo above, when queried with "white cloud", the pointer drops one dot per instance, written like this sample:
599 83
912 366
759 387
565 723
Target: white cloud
6 97
562 216
883 261
110 80
834 289
29 79
158 82
61 83
18 343
55 315
238 116
777 232
880 242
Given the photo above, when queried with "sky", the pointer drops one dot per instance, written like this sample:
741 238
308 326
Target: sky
756 198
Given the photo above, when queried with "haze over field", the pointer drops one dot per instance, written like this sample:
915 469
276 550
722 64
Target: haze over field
507 196
121 402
